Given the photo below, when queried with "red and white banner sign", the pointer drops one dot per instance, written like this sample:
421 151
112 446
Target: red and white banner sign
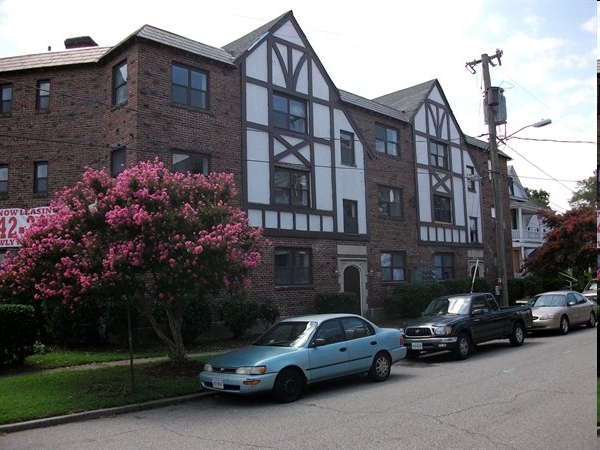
14 222
598 229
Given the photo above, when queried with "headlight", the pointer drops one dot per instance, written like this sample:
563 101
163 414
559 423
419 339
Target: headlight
546 317
442 330
257 370
207 368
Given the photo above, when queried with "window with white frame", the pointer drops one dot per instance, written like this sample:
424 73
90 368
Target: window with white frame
120 83
350 216
42 96
3 179
40 177
442 208
438 155
6 92
189 162
347 148
444 266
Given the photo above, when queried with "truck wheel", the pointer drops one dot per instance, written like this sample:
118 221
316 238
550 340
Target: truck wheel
563 328
463 346
517 337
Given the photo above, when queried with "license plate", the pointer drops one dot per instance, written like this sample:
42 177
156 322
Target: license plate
417 346
217 383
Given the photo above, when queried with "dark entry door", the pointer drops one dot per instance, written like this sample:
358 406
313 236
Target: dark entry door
352 283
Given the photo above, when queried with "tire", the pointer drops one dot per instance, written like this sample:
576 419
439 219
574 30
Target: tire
463 346
412 354
563 327
381 367
517 337
289 386
591 323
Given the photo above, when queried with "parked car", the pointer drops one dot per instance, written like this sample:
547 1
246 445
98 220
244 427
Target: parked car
299 351
459 322
561 310
590 291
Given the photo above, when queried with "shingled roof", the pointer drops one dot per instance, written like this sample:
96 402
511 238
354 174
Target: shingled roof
409 100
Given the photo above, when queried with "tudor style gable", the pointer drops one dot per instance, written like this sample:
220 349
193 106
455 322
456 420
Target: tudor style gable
304 160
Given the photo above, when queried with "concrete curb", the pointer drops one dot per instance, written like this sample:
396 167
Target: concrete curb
96 414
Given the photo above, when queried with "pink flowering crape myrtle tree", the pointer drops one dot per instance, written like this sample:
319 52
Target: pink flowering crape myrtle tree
147 235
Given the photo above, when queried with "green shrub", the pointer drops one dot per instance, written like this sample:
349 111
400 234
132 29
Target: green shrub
80 323
409 300
197 317
337 302
268 314
18 333
239 315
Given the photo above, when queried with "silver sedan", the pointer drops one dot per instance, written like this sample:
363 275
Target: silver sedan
561 310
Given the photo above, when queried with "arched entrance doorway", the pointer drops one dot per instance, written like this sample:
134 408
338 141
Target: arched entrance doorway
353 279
352 283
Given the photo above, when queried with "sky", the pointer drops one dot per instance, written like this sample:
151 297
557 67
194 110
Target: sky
547 69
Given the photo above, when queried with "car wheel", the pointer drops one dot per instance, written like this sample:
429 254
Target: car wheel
563 328
592 322
381 367
463 346
288 386
412 354
517 337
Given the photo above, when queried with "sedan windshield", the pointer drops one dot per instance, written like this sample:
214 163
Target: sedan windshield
548 300
286 334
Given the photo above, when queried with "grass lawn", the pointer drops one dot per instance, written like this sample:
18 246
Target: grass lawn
34 396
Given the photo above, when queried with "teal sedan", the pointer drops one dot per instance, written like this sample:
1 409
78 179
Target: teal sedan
299 351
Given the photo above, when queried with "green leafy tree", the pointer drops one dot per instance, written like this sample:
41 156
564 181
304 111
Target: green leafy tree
148 235
539 196
586 192
571 244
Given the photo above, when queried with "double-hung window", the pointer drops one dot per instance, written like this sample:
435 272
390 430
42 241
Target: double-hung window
393 266
386 140
438 155
471 179
347 148
6 92
292 267
350 216
40 178
189 86
117 161
289 113
189 162
291 187
42 97
442 209
120 84
444 266
390 202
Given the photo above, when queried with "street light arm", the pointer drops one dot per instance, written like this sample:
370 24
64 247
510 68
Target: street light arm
541 123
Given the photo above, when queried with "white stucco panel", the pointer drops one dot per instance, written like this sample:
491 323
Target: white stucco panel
424 196
302 81
420 120
457 161
287 32
255 218
320 88
436 96
257 104
278 77
321 121
323 188
328 224
459 202
258 166
256 63
271 219
314 222
302 222
422 154
286 221
423 233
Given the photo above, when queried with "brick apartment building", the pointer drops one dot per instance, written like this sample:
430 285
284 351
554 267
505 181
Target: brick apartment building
356 195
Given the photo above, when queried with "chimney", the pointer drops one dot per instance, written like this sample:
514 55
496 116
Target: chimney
80 42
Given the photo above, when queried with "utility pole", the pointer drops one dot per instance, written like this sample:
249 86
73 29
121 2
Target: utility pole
499 193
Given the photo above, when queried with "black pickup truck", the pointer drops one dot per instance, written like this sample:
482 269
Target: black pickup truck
458 322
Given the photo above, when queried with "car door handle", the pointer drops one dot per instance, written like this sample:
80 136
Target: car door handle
343 349
373 342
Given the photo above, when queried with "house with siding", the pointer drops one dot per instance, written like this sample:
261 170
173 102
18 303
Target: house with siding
356 195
